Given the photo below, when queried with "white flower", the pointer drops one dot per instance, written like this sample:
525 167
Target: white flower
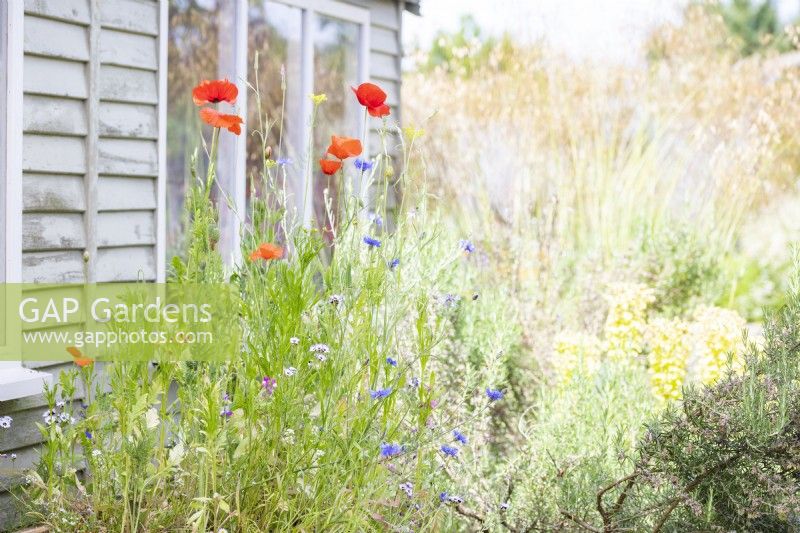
151 419
64 417
96 453
322 357
176 454
408 488
5 422
60 404
13 457
288 436
336 299
319 348
294 341
290 371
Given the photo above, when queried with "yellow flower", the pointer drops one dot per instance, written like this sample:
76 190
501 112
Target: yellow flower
667 360
319 98
413 133
627 319
716 334
575 353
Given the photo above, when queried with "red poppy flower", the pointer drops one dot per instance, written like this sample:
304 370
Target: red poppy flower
369 95
380 111
267 251
80 359
212 92
214 118
329 166
344 147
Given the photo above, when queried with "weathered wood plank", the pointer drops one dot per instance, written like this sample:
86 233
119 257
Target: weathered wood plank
392 88
48 153
43 75
126 228
130 15
128 120
120 84
128 49
126 264
128 157
55 38
52 267
47 193
384 13
120 193
70 10
52 231
44 114
384 40
384 66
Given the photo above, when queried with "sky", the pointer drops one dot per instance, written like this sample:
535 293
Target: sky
606 30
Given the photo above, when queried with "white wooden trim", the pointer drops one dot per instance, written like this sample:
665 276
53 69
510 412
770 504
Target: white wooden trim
238 191
13 33
15 381
332 8
161 183
307 88
92 144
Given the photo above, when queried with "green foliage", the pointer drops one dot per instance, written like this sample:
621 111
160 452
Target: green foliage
754 25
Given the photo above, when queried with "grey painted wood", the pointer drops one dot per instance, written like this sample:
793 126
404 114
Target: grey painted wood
70 10
128 120
126 264
130 15
52 193
384 40
125 228
53 154
52 267
117 193
55 38
120 84
382 65
52 231
128 157
44 114
128 49
43 75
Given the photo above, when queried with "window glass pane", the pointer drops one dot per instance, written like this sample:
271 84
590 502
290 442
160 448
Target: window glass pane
336 45
201 46
275 34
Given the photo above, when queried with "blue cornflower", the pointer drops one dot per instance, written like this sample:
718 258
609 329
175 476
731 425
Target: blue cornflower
390 449
466 245
391 361
283 161
362 164
88 434
452 451
226 412
460 437
442 497
371 241
494 394
380 394
394 263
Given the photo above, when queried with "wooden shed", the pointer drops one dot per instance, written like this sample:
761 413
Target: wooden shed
99 130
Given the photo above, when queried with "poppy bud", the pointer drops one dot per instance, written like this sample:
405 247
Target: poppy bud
268 152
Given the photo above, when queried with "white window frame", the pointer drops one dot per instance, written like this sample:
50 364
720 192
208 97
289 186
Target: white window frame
15 381
231 242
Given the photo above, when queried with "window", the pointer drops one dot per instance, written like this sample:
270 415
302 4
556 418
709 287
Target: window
306 46
15 381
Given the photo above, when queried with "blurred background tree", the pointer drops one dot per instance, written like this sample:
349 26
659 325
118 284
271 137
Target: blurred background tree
755 25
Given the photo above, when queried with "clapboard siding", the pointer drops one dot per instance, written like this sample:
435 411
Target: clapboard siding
384 40
126 264
128 157
125 194
128 120
55 38
52 267
120 84
125 228
53 193
52 231
49 115
68 10
56 154
56 77
128 49
130 15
